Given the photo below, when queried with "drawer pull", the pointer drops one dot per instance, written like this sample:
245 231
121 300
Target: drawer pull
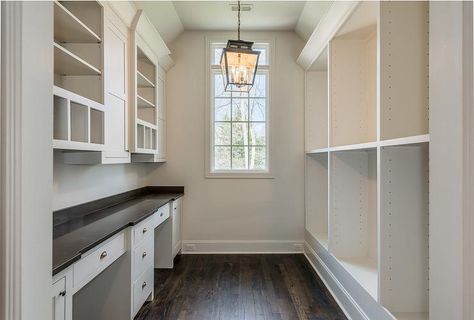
62 293
103 255
144 230
143 285
143 255
161 214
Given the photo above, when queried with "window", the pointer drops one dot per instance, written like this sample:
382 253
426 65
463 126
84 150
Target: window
239 139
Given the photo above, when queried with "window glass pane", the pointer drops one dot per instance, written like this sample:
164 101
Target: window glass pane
222 109
240 109
262 59
259 86
239 158
240 134
222 134
217 55
257 158
257 109
219 86
257 134
222 158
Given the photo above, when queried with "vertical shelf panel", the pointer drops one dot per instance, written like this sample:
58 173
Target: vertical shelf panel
316 110
404 223
353 83
61 118
353 210
316 196
404 68
79 122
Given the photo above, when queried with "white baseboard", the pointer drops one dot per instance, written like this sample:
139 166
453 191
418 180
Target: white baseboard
342 297
242 246
353 299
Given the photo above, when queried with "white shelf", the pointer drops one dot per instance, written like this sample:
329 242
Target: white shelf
144 103
146 124
358 146
68 28
364 271
68 64
143 81
316 151
406 141
411 315
74 145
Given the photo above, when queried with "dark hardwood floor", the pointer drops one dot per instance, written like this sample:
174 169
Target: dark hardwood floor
241 287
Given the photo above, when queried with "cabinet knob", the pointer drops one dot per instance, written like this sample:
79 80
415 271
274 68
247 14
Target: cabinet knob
161 214
103 255
145 230
62 293
143 285
143 255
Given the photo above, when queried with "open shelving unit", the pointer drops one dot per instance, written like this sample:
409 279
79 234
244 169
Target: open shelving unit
367 154
78 122
353 214
316 197
79 114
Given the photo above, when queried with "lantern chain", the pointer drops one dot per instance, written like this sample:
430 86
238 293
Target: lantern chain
238 17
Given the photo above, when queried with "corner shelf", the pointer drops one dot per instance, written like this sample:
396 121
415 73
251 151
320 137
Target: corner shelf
68 28
144 103
67 63
143 81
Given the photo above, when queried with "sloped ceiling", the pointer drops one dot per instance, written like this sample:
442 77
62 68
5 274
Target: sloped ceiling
171 18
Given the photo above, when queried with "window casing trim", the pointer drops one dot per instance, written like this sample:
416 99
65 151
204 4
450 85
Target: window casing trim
209 116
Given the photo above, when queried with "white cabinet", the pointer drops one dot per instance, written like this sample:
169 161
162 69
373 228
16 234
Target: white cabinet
168 237
176 219
61 296
59 299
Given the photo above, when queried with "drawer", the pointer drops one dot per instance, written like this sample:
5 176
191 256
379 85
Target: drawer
142 289
98 259
143 256
143 230
162 214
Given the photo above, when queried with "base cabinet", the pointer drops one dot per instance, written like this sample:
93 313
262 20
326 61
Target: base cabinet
168 237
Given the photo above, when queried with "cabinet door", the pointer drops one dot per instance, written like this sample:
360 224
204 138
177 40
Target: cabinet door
59 299
177 212
116 89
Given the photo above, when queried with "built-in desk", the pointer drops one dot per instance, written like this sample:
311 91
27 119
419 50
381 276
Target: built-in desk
105 251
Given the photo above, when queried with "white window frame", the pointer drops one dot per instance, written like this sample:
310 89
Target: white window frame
209 132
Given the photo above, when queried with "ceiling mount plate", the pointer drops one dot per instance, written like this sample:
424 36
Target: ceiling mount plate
243 6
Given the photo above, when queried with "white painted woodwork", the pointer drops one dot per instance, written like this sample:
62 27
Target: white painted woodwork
97 260
404 69
316 110
176 216
59 299
142 289
404 234
316 196
376 250
352 86
68 28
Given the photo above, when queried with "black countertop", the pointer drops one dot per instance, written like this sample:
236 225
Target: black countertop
78 229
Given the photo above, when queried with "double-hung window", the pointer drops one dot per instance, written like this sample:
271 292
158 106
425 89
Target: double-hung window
239 127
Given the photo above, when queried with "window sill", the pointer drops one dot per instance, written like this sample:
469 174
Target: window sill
239 175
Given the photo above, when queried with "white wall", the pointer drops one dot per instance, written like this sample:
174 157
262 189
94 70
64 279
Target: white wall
76 184
235 209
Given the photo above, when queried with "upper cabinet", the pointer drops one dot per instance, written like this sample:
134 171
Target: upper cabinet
79 114
147 99
109 88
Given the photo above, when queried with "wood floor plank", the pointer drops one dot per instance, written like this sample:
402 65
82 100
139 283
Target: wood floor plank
240 287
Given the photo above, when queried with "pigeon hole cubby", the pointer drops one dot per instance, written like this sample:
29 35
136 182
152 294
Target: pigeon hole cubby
353 79
316 197
404 234
144 125
353 215
367 156
78 80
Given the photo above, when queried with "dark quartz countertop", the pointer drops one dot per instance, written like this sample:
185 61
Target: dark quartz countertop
78 229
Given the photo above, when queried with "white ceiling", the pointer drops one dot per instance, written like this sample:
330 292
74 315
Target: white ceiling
171 18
